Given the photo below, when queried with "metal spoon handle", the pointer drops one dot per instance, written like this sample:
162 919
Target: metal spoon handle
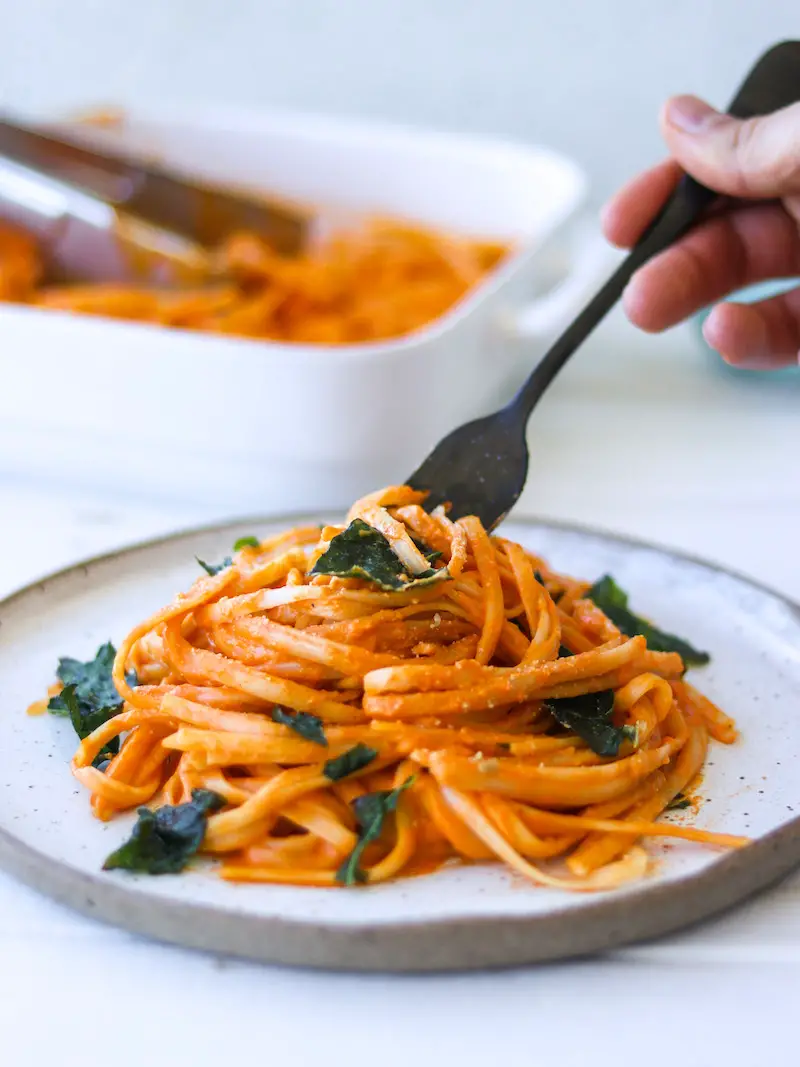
773 83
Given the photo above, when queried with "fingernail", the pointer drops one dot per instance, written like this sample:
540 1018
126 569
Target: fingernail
690 114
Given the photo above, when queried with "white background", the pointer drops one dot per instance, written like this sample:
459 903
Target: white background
582 75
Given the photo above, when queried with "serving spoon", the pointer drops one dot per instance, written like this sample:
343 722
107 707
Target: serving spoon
480 468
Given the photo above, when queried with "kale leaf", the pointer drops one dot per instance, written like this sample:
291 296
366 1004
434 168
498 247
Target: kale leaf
613 602
363 552
94 685
354 759
302 722
214 568
85 721
163 841
370 811
430 554
589 716
246 542
89 697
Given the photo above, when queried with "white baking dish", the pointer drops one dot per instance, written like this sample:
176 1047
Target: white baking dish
258 424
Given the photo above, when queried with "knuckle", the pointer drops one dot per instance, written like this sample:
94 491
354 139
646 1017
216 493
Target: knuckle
745 152
765 152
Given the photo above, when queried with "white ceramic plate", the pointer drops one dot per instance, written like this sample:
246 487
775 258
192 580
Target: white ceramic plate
457 917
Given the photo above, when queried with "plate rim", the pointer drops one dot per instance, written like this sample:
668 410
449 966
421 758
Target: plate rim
407 945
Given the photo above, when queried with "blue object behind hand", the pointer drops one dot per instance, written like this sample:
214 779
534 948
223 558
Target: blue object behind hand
749 296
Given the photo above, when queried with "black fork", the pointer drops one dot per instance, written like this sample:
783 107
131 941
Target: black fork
480 468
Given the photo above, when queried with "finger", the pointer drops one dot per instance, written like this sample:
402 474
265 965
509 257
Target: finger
756 157
762 336
723 254
626 216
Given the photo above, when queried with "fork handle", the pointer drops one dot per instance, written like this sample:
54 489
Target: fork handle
773 83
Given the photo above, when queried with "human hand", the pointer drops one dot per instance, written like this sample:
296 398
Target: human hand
756 159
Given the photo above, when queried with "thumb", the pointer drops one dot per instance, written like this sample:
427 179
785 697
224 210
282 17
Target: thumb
758 157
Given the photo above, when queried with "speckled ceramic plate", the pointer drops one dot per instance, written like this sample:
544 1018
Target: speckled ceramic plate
456 917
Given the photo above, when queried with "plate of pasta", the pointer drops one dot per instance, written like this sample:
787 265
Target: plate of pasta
396 741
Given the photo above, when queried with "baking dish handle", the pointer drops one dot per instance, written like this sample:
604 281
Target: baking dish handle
591 260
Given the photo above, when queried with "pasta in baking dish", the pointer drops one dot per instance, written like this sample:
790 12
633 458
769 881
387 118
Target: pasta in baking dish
381 280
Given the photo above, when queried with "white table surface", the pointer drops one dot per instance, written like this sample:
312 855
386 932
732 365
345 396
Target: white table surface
649 440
